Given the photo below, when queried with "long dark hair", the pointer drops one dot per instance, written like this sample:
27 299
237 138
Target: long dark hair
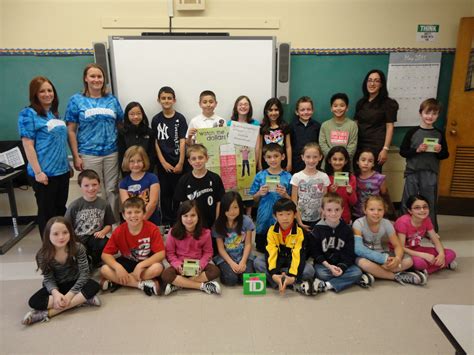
35 85
127 125
235 113
221 222
179 230
383 92
337 149
265 126
45 256
357 156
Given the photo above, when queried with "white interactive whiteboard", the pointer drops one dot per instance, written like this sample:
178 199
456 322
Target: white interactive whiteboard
229 66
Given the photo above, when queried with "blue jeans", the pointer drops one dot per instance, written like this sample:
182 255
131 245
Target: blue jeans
260 266
363 252
347 279
229 277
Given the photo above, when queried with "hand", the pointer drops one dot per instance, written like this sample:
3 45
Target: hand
180 269
100 234
242 267
305 227
280 190
349 189
192 132
122 275
289 280
78 164
382 158
167 166
428 257
235 267
440 260
42 178
422 148
437 148
333 187
263 190
335 270
68 298
392 263
178 169
137 272
59 301
278 280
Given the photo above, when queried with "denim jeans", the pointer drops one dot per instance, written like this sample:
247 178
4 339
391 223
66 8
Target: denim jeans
363 252
229 277
347 279
260 265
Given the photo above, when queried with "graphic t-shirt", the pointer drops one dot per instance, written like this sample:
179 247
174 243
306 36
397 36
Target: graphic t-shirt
413 234
365 188
310 193
168 132
234 243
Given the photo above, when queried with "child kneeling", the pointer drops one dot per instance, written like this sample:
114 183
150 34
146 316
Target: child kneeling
141 248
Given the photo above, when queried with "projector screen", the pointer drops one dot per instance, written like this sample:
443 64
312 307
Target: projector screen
229 66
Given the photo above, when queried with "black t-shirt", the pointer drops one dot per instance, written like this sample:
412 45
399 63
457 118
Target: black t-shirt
168 132
207 191
372 118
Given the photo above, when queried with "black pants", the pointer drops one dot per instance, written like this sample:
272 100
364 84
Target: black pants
94 247
40 299
51 199
168 182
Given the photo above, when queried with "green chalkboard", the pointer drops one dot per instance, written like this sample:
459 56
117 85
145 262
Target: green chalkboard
317 76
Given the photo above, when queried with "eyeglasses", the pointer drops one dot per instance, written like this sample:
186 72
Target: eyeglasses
375 81
419 208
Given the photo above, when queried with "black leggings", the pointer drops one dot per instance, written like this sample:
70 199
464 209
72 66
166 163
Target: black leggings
40 299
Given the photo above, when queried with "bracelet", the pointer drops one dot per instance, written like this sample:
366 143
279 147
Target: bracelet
386 148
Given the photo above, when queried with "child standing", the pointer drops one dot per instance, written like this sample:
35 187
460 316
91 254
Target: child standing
339 130
207 119
189 240
243 111
303 130
269 186
285 254
338 161
202 185
415 225
369 182
140 182
170 128
332 248
141 252
274 130
423 147
308 187
373 259
91 216
63 263
233 233
136 131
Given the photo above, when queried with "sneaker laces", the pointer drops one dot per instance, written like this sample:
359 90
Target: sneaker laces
408 277
149 287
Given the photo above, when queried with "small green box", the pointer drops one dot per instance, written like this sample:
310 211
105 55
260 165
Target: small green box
190 267
255 284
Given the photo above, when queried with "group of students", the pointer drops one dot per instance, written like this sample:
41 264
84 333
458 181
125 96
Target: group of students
307 215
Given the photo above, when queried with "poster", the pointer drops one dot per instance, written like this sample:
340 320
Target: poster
234 163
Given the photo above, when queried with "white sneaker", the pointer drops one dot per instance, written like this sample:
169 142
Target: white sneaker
170 288
453 265
211 287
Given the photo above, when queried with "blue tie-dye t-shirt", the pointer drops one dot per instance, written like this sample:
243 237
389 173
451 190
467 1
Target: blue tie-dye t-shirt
96 120
265 206
50 139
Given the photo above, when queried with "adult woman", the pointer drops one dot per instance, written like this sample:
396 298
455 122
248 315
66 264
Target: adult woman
92 117
375 115
44 138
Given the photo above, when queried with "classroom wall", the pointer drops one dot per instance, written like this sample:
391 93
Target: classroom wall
304 23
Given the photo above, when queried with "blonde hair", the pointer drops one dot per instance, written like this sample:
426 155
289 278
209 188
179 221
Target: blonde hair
376 198
331 197
196 148
130 152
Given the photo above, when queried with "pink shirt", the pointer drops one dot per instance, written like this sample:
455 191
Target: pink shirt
189 248
413 234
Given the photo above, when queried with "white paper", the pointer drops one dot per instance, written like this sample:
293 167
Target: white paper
243 134
12 157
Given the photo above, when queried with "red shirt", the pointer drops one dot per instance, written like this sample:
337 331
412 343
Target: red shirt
135 247
348 200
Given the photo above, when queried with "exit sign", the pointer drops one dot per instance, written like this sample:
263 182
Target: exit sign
427 33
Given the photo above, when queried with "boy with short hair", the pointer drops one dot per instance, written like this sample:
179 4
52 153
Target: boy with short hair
170 129
422 159
141 252
207 119
200 184
91 216
284 260
269 186
332 248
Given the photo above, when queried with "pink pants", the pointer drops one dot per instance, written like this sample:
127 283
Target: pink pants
422 264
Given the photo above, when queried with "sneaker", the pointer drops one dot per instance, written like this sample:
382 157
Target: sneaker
304 288
35 316
107 285
407 278
366 280
150 287
170 288
423 274
319 286
211 287
94 301
453 265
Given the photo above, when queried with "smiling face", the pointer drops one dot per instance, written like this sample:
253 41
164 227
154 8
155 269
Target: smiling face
339 109
428 118
190 220
233 212
90 188
304 111
45 95
419 209
311 157
274 159
332 212
243 107
374 83
135 116
374 211
338 161
208 104
94 80
198 160
59 235
136 163
134 216
273 114
166 100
